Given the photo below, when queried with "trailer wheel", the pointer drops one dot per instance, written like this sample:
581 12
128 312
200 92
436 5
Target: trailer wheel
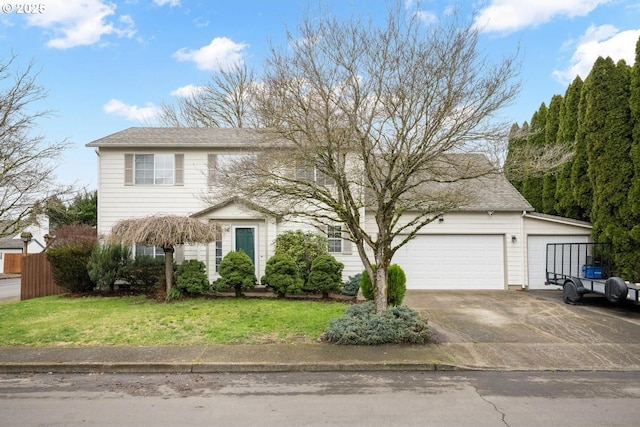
570 293
615 290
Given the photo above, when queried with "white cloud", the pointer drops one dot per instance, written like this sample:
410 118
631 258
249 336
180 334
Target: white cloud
221 54
427 17
187 91
80 22
169 2
603 41
132 112
512 15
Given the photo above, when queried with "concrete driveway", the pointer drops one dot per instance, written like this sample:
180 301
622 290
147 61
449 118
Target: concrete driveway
531 329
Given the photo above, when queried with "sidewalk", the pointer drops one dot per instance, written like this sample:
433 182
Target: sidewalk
504 330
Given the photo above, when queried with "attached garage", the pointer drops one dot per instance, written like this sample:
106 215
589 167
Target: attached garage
453 262
542 229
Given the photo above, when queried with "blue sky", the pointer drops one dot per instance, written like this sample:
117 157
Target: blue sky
108 65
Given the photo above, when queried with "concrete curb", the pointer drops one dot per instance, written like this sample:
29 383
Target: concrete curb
204 368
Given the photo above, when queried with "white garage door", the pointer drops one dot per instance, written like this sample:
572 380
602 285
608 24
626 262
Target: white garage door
453 262
536 255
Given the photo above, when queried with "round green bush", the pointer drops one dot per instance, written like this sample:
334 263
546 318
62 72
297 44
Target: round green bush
236 271
69 254
191 278
396 285
326 275
361 325
144 273
303 247
107 264
283 275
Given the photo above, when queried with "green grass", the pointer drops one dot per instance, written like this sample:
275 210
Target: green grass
122 321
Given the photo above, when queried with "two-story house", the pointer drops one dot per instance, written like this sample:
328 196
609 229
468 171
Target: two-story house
495 242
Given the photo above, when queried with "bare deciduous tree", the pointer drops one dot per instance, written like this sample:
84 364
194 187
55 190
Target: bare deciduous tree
27 159
224 101
386 118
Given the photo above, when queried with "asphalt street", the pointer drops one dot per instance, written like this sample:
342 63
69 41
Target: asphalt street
323 399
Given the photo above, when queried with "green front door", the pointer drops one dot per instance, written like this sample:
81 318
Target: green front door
245 241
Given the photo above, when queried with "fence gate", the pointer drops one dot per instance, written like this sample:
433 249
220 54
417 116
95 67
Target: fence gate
37 280
12 263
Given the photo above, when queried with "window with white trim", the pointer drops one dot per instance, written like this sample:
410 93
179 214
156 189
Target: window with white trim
313 174
334 238
150 251
154 169
218 253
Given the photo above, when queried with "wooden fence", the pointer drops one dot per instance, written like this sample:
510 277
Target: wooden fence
37 280
12 263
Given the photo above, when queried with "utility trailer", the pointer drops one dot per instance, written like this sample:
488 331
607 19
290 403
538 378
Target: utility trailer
583 268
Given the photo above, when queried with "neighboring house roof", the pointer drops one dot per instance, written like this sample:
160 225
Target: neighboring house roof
181 137
10 243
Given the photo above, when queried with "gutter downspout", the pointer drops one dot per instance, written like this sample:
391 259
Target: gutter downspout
525 255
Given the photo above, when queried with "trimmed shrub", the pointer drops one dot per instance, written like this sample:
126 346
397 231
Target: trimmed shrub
191 278
361 325
352 285
283 275
396 285
144 273
236 271
326 275
303 247
69 254
107 263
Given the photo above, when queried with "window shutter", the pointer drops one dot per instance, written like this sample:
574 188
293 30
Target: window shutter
212 160
346 243
179 169
128 169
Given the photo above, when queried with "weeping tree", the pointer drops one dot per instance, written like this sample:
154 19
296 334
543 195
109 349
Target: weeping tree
165 232
381 117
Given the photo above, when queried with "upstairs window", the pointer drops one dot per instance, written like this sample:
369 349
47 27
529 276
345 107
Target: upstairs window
313 174
153 169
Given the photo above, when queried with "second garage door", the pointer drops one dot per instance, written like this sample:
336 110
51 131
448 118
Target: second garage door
453 262
536 255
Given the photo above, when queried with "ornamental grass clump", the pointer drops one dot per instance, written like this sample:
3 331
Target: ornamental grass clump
361 325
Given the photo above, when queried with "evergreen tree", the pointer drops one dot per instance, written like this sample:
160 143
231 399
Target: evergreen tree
532 185
608 140
515 142
567 128
634 104
580 184
550 135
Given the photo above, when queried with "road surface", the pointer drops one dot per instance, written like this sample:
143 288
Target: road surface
323 399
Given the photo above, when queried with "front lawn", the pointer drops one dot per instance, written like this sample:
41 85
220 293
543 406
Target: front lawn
123 321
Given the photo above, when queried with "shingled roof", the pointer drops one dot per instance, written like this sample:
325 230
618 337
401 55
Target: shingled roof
491 192
180 137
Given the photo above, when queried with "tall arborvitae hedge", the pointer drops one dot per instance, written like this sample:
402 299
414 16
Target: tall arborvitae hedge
568 126
532 185
600 118
550 137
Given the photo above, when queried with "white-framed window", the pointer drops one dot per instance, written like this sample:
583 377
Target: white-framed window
334 238
312 173
153 169
219 164
150 251
218 253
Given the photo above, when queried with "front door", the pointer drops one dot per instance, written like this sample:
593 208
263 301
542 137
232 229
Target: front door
245 241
